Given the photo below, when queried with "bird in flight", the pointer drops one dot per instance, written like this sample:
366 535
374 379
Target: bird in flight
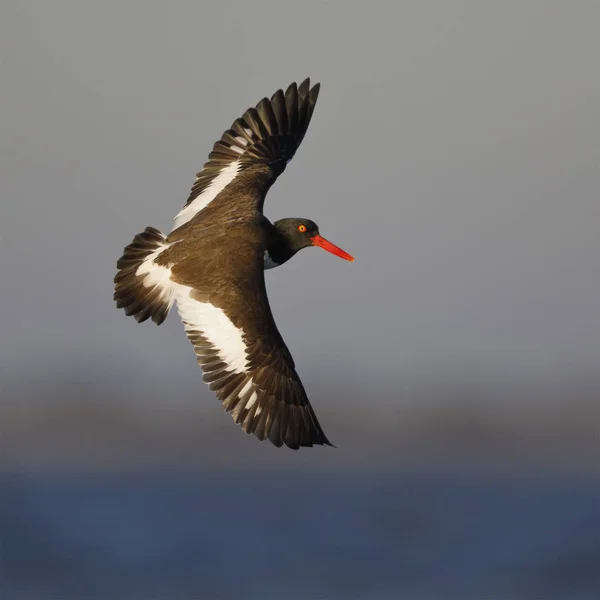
212 266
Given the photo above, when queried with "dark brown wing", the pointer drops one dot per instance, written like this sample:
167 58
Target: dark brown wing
268 135
224 306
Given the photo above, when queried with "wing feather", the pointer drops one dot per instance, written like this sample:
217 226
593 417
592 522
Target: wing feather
244 359
268 134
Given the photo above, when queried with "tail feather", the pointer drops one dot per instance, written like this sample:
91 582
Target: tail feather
141 286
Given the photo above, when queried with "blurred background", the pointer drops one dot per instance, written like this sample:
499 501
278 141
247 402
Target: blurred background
455 151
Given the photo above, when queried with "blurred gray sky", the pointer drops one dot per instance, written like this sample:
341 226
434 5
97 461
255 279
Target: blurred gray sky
455 151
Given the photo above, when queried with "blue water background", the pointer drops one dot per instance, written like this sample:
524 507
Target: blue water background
271 534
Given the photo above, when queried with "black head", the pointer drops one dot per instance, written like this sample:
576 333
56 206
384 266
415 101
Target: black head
302 233
298 233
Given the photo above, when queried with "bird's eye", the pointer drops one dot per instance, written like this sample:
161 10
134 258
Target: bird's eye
301 228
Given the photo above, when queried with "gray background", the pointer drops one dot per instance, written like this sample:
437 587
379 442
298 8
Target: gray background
454 151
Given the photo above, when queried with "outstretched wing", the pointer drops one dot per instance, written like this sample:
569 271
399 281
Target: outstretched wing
225 310
268 134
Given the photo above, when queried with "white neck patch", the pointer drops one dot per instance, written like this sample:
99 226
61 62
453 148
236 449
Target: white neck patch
269 262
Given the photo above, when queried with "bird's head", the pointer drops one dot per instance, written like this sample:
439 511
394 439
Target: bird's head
302 233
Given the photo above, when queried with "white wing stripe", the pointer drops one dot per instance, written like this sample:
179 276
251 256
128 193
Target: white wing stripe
253 398
212 323
246 387
217 185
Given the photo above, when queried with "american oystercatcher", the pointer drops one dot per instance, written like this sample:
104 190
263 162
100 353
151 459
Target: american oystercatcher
212 265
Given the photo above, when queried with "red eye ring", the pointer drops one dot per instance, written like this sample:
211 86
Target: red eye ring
302 228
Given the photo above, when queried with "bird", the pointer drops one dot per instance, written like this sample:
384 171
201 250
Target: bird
212 264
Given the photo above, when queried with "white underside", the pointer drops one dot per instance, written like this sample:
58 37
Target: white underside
269 262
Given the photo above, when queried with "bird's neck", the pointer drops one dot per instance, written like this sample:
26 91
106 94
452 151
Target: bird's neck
278 249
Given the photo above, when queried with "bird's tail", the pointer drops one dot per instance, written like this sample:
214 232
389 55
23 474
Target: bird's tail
142 287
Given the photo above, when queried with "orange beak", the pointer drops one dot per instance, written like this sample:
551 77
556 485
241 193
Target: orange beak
327 245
